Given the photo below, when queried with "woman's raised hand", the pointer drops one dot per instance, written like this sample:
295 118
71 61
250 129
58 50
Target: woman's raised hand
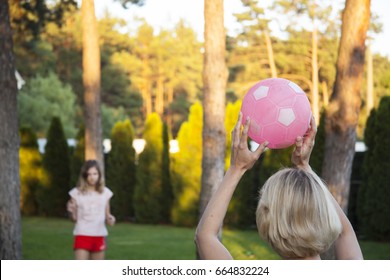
241 157
304 146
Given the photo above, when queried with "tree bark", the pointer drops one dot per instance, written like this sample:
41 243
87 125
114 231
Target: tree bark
160 104
10 224
270 53
344 107
325 95
91 81
214 80
370 82
146 88
314 64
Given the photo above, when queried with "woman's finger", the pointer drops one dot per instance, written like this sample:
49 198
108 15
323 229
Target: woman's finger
261 148
298 146
311 133
236 131
244 135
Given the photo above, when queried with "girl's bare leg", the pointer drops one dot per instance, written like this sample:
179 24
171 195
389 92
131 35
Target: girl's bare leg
97 255
81 254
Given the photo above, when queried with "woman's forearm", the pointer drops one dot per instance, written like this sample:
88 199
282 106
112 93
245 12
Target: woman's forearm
206 236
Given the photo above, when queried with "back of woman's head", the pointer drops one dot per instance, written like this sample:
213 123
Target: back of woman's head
295 214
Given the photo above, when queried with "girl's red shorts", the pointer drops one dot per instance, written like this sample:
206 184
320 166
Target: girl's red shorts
90 243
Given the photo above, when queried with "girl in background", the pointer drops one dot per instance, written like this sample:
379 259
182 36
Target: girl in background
89 208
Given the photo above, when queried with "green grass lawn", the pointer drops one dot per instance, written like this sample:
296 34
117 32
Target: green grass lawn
51 239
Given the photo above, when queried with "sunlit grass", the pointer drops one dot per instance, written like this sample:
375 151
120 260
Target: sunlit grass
247 245
52 239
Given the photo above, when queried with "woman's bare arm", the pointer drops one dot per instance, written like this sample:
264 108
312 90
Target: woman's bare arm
242 159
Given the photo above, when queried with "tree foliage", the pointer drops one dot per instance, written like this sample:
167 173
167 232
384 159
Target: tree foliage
53 195
148 190
29 20
31 172
111 116
43 98
166 181
142 66
374 195
186 165
121 171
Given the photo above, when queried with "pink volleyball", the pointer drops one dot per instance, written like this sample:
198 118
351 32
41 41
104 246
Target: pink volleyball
279 111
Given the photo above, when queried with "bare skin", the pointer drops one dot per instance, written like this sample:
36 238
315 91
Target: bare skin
242 159
81 254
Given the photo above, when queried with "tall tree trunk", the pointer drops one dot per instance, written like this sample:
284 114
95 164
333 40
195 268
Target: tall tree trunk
146 89
10 227
270 53
160 94
344 107
314 65
214 81
169 102
325 95
370 82
91 80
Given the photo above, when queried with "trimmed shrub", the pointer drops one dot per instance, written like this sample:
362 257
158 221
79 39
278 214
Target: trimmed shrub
186 166
374 195
166 187
31 172
148 190
54 194
120 170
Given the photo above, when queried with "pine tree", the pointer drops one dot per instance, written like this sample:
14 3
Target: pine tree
148 193
367 168
375 192
166 187
56 163
121 172
186 165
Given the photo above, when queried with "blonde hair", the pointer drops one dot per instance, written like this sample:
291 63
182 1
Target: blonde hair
295 214
82 183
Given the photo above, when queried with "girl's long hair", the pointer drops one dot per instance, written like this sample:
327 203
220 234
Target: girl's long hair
82 183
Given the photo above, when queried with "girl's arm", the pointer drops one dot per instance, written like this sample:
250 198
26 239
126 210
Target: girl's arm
346 245
242 159
110 219
71 207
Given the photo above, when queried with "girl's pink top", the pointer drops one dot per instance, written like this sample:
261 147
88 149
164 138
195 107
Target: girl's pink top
91 211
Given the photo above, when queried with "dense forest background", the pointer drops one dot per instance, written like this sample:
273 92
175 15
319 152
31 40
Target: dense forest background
149 71
152 88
